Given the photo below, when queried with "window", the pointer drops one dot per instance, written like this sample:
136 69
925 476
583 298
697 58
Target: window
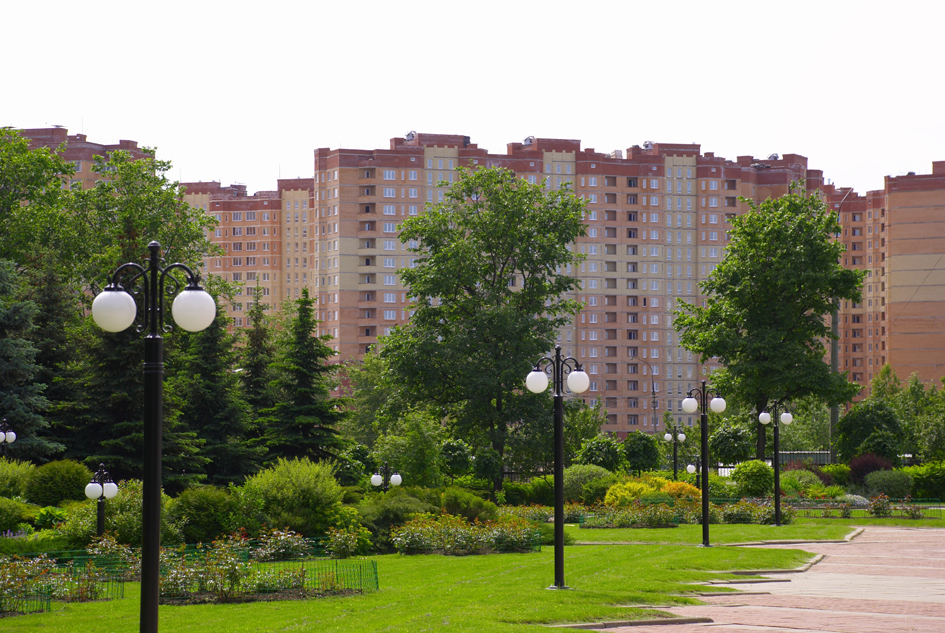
412 192
390 174
390 280
390 262
390 192
413 174
413 209
390 297
237 217
390 315
390 245
390 227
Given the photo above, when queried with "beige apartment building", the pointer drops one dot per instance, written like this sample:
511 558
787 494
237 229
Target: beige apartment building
657 218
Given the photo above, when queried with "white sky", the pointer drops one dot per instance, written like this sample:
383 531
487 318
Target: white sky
245 91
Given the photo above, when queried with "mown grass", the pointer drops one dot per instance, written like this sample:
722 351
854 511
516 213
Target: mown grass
482 594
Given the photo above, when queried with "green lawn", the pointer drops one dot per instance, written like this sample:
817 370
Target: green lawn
803 529
504 592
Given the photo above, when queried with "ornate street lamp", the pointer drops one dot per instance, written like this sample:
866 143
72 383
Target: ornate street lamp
115 310
690 405
101 487
654 401
696 468
578 382
384 477
676 436
786 418
7 436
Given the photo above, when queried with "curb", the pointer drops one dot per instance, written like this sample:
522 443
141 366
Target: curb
797 570
616 623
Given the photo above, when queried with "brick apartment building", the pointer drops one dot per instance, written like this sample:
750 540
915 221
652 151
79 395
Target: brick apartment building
657 220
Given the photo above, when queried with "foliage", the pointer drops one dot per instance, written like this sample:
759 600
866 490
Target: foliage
928 480
376 400
55 482
347 542
276 544
304 420
797 481
839 473
122 519
455 457
453 535
595 490
895 484
205 512
13 476
575 477
464 504
12 513
680 490
765 316
488 301
487 464
625 493
863 465
257 357
870 426
730 444
641 451
754 478
297 494
382 511
603 450
412 446
880 506
49 517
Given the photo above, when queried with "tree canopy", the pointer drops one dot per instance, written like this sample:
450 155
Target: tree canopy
764 316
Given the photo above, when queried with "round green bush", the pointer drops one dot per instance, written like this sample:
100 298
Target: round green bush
895 484
839 473
928 480
12 513
575 477
462 503
297 494
804 479
13 477
595 490
754 478
55 482
206 513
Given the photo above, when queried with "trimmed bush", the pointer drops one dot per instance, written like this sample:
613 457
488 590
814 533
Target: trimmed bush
928 480
55 482
297 494
621 495
576 476
754 478
467 505
863 465
380 512
543 490
594 491
517 493
13 477
206 512
838 473
12 513
895 484
799 480
680 490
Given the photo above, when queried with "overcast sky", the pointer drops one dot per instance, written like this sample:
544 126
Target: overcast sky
245 91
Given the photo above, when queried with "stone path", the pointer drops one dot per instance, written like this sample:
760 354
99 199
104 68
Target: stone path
886 580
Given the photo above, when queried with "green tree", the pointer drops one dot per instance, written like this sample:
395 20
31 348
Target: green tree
413 449
641 451
376 401
257 358
212 403
764 317
869 427
304 421
531 440
730 444
603 450
488 286
456 457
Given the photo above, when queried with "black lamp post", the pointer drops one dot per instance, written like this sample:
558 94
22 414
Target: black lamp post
101 487
578 382
7 436
114 310
654 401
696 468
676 436
690 405
385 477
786 418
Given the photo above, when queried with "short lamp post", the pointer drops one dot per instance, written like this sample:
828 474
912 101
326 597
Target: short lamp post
676 436
385 477
115 310
786 418
101 488
691 405
696 468
7 436
578 382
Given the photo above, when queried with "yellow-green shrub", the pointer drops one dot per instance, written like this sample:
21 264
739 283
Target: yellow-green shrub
680 490
625 493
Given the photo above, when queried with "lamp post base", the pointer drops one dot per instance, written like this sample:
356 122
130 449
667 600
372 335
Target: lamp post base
557 588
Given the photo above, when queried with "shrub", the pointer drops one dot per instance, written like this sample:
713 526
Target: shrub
880 506
819 491
741 512
297 494
206 513
603 450
13 477
346 543
533 513
863 465
575 477
594 491
53 483
382 512
42 541
623 494
680 490
467 505
804 479
895 484
839 473
517 493
12 513
543 490
452 535
280 545
928 480
50 516
657 515
548 534
754 478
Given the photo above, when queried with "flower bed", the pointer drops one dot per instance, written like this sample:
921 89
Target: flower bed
447 534
683 511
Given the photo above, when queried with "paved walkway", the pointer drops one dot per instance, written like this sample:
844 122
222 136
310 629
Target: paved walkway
886 580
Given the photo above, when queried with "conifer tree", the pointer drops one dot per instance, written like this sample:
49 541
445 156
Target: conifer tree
257 357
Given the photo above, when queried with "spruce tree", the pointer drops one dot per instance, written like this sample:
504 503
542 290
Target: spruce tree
304 422
257 357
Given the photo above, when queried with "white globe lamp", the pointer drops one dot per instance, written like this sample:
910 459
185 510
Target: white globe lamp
114 310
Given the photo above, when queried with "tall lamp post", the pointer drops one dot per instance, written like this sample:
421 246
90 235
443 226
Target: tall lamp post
7 436
578 382
101 487
654 401
786 418
675 435
384 477
115 310
690 405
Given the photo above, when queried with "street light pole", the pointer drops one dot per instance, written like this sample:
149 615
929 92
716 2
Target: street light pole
690 405
675 435
7 436
101 488
387 479
578 382
115 310
786 418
